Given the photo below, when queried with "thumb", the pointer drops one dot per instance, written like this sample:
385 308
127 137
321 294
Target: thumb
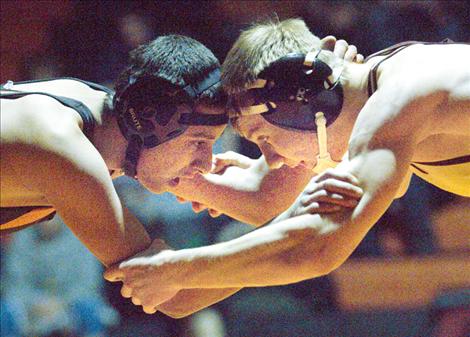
113 274
328 43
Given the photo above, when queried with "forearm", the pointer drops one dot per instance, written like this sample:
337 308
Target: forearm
275 193
111 242
189 301
283 253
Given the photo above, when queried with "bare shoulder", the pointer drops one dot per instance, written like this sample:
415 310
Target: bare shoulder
36 120
432 81
420 90
428 69
40 135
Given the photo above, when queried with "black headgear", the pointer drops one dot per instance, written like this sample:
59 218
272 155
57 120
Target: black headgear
291 90
151 111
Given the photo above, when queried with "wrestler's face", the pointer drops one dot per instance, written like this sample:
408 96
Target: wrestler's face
279 146
161 168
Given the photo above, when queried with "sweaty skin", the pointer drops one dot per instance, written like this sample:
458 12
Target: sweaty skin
248 200
251 184
420 112
47 160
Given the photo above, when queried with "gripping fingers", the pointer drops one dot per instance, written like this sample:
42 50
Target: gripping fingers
230 158
341 187
340 175
351 53
318 207
149 309
136 300
359 58
328 42
126 291
326 197
198 207
341 47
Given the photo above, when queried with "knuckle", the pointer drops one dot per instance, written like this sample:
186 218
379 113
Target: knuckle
313 206
328 183
321 194
321 184
304 201
328 172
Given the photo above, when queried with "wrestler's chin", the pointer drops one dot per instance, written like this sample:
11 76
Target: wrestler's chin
160 186
306 164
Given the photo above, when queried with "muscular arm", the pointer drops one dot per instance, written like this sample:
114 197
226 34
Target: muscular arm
305 246
302 247
381 148
61 164
254 195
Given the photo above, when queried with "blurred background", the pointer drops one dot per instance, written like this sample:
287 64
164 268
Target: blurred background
409 277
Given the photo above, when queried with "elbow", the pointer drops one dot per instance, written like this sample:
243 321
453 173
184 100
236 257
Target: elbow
330 257
323 265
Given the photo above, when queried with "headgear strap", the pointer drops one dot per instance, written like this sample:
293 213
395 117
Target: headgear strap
148 119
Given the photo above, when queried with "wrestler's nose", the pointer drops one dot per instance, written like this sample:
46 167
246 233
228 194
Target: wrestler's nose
274 159
202 163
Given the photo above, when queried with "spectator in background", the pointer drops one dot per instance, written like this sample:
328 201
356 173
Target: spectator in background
51 284
96 47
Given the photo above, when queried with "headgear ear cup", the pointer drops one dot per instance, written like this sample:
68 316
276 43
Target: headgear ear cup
150 112
292 89
297 92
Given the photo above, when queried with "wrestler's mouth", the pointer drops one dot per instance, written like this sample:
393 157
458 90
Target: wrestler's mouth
174 182
306 164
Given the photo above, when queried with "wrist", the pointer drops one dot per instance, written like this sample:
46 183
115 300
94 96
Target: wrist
195 266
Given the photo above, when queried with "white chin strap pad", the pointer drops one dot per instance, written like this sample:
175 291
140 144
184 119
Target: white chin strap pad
324 160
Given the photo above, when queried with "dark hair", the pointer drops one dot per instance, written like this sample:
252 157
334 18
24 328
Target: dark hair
179 60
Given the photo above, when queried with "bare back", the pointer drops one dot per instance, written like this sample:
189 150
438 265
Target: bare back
424 91
27 125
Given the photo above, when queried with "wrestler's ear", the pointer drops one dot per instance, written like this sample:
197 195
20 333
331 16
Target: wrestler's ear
328 43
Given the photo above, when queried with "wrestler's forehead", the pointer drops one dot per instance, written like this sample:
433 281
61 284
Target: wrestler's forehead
247 125
204 132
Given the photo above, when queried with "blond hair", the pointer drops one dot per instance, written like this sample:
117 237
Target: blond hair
262 44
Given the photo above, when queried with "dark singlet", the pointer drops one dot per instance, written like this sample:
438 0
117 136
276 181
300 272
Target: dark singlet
452 174
15 218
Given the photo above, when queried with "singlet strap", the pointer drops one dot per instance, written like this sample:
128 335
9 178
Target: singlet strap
92 85
82 109
79 107
389 52
447 162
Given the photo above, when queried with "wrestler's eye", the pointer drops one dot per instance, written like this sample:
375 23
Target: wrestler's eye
200 143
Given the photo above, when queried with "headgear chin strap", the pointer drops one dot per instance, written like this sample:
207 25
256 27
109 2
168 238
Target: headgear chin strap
324 160
150 112
296 92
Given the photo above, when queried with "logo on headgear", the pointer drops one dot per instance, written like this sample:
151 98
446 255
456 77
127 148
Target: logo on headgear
300 96
135 120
